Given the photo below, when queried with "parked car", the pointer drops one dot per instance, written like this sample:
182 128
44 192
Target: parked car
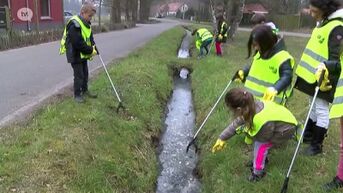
67 16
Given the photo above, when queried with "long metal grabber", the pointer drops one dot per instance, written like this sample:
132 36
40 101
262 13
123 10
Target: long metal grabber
285 183
208 115
120 105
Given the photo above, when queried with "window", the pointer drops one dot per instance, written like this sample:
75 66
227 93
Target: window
3 3
45 9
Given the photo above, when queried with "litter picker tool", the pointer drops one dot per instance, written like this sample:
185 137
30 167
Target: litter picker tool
285 183
120 105
208 115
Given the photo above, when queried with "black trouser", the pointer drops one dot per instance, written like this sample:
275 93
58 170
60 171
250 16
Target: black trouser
80 77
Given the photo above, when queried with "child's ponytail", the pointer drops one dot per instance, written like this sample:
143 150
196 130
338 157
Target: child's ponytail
242 103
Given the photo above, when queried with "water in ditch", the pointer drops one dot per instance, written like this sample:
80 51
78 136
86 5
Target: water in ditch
177 166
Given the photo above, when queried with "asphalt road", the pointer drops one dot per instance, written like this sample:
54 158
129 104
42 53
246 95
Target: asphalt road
32 74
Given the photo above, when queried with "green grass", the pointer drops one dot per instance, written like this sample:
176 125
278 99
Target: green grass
225 171
69 147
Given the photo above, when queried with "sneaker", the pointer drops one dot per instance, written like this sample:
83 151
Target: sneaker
79 99
333 185
256 177
90 95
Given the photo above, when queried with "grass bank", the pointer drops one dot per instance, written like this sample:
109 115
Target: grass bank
69 147
225 171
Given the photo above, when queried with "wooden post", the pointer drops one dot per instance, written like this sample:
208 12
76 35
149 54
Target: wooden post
37 16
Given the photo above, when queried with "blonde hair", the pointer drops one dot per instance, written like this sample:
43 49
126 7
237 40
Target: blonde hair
87 6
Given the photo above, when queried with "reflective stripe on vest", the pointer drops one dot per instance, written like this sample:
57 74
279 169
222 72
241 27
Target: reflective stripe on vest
85 32
316 51
271 112
204 34
336 110
222 29
265 73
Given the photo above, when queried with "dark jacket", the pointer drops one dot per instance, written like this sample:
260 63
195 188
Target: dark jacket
285 70
225 28
333 65
75 43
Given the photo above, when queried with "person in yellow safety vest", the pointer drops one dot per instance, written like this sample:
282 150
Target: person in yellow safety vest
203 40
221 36
330 32
79 46
323 49
267 123
260 18
269 76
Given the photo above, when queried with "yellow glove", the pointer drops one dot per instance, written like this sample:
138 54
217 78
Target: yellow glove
248 140
220 37
94 51
270 94
239 76
219 145
325 85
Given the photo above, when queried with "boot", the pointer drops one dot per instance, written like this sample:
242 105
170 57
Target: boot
308 134
256 177
316 146
333 185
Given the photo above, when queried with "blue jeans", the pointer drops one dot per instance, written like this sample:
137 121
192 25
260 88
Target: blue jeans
204 46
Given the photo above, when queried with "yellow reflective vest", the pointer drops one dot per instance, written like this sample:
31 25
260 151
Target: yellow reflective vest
316 51
264 73
336 110
204 34
85 32
270 112
222 27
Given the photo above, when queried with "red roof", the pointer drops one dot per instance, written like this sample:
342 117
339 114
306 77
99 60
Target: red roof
174 7
254 8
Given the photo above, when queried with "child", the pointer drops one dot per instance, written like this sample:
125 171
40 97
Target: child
266 123
270 74
259 18
324 48
203 40
221 34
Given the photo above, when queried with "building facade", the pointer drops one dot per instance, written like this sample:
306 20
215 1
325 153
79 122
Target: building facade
35 14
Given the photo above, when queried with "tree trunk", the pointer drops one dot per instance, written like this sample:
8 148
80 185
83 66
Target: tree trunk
144 10
214 19
234 16
127 10
134 10
100 4
115 12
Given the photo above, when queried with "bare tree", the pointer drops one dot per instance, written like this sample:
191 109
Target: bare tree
115 12
144 10
234 14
